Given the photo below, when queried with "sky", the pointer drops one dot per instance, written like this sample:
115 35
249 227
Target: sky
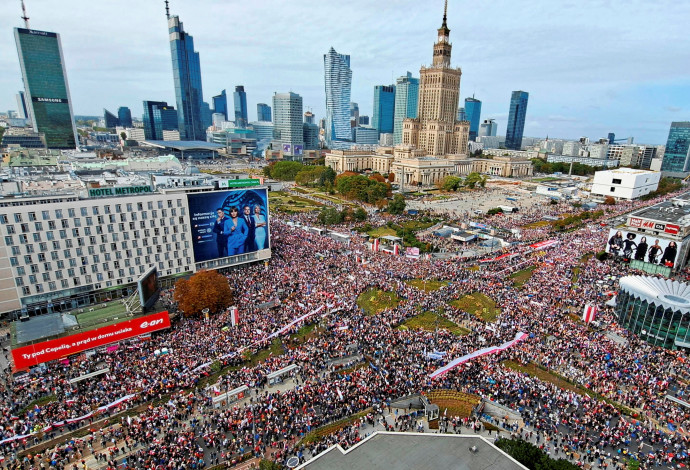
591 67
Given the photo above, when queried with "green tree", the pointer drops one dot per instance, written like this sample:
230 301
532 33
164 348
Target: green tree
451 183
327 177
266 464
286 171
397 205
474 179
360 215
330 216
123 135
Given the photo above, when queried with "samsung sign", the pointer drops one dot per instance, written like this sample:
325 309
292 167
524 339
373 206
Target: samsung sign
120 191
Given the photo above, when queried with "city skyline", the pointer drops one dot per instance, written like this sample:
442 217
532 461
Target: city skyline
596 76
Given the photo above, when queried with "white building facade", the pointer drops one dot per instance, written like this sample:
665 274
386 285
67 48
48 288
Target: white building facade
625 183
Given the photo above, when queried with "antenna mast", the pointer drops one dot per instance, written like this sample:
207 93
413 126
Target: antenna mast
24 17
167 9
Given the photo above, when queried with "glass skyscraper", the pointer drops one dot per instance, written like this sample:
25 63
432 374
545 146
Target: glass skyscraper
45 83
220 104
516 120
22 106
158 116
110 119
677 155
462 115
124 115
338 85
187 78
406 97
473 109
241 116
263 112
288 129
384 109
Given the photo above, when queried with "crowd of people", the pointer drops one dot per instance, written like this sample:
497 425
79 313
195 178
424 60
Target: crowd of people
178 427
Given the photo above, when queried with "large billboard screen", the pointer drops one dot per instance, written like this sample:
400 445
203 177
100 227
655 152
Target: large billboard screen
148 288
228 223
27 356
641 247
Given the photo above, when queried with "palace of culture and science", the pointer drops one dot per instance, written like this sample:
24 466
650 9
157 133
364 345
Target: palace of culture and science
434 145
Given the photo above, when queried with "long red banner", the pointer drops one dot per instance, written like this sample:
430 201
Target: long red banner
27 356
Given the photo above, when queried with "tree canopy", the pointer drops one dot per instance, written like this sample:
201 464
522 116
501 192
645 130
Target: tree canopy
531 456
397 205
542 166
205 289
361 188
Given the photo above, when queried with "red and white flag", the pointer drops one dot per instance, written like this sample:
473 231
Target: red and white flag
396 249
589 313
375 245
234 316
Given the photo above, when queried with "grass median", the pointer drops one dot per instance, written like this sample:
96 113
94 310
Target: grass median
479 305
374 300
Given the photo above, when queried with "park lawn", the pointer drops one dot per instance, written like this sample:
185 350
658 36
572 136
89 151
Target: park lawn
427 321
426 286
100 314
453 403
521 277
382 232
375 300
476 303
537 224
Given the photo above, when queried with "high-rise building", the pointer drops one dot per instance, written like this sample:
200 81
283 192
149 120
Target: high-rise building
187 78
45 84
516 119
406 97
338 84
311 135
263 112
364 120
220 104
365 135
263 130
473 109
206 115
309 118
22 106
384 109
487 128
288 129
110 119
354 114
158 116
436 130
677 155
462 115
240 99
124 115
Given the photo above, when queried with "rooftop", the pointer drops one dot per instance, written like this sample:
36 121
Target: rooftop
418 451
676 211
183 145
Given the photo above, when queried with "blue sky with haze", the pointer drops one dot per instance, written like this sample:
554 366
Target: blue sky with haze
590 67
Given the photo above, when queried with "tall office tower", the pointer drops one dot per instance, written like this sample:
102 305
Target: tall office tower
354 114
309 118
263 112
158 116
406 97
677 155
124 115
488 128
462 115
384 109
164 119
46 88
516 119
220 104
364 120
23 108
310 135
206 115
241 117
187 77
436 129
473 109
338 84
110 119
288 130
612 138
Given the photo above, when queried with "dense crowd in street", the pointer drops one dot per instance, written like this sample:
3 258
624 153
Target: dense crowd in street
180 428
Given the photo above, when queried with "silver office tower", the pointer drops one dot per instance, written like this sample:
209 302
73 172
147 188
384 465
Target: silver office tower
338 84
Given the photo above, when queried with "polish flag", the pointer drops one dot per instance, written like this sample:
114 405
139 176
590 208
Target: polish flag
375 245
234 316
396 249
589 313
